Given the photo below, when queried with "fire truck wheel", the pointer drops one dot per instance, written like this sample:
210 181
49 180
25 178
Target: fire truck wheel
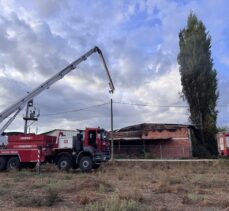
2 163
86 163
13 163
64 163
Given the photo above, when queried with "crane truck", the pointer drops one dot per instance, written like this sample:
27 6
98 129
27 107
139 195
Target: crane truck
85 150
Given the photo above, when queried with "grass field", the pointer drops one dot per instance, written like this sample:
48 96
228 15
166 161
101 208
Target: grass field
120 186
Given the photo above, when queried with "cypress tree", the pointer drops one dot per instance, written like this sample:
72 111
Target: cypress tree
199 84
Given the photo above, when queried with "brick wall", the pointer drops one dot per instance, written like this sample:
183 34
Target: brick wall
159 143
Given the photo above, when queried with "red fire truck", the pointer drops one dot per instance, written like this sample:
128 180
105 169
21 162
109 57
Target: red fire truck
223 144
86 150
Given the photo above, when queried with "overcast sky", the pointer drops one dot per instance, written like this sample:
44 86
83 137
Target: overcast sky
140 42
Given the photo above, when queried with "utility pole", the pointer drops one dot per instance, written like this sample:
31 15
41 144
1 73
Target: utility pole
31 115
112 140
26 117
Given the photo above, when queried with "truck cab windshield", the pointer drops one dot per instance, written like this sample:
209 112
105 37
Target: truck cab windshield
104 135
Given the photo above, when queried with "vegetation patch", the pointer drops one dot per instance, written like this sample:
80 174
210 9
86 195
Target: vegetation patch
169 186
135 195
106 187
192 198
36 200
116 204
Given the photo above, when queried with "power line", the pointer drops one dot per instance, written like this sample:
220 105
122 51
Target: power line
151 105
116 102
161 106
75 110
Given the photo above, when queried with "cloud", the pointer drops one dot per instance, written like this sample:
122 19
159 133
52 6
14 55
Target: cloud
50 8
139 40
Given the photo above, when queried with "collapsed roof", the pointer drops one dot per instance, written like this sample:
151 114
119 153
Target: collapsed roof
149 131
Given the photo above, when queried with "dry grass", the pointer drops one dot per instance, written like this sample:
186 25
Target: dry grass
39 200
114 203
120 186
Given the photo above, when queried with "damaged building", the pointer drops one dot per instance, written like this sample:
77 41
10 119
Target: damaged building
164 141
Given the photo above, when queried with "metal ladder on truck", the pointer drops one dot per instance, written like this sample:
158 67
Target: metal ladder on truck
20 104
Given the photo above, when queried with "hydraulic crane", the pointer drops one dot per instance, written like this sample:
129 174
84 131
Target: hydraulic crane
20 104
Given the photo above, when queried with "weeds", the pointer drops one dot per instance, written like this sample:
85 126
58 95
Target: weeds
119 186
3 192
35 200
192 198
135 195
115 204
84 198
105 187
52 197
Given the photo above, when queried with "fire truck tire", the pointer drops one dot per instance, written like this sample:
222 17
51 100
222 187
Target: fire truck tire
2 163
86 163
64 163
13 163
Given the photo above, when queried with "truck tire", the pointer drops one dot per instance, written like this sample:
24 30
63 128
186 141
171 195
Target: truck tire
86 163
13 163
2 163
64 163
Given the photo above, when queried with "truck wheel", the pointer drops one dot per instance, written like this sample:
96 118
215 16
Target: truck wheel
13 163
64 163
86 163
2 163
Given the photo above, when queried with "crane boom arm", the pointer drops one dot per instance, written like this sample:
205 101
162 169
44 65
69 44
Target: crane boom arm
18 106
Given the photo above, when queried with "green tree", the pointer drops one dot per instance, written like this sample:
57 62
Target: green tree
223 129
199 82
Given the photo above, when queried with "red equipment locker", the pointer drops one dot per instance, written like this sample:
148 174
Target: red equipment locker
26 146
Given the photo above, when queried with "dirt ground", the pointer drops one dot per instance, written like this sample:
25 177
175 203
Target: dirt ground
125 186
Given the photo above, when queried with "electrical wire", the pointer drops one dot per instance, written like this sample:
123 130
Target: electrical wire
115 102
75 110
161 106
151 105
